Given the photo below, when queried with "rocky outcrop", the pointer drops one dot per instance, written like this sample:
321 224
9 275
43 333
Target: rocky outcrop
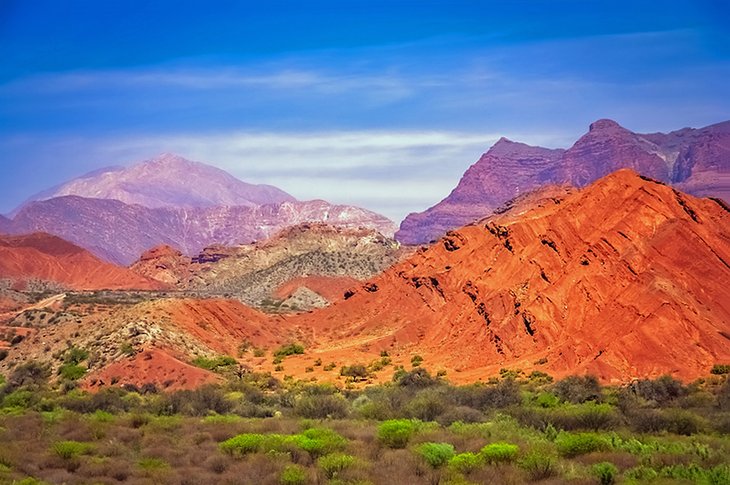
317 255
694 160
38 257
625 278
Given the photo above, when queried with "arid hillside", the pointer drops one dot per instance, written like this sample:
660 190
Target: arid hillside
322 259
625 278
42 259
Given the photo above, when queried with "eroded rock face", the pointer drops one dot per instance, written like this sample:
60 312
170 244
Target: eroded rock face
625 278
318 257
694 160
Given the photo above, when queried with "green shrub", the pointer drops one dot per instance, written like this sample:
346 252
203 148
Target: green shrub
538 466
333 464
547 400
416 360
574 444
499 452
293 475
436 454
318 441
720 369
243 444
71 372
396 433
70 449
75 355
466 462
605 472
19 399
356 372
289 349
214 364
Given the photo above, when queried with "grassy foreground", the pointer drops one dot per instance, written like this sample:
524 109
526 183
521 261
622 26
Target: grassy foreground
417 429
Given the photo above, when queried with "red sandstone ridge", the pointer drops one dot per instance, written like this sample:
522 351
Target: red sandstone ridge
694 160
625 278
44 258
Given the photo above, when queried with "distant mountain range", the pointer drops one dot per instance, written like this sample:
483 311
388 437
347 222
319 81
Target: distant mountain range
695 160
168 181
119 213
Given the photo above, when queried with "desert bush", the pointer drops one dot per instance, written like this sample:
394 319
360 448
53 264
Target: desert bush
499 452
466 463
578 389
720 369
682 422
396 433
289 349
75 355
574 444
605 472
68 450
539 466
293 475
243 444
485 396
198 402
662 390
435 454
71 372
427 405
322 406
417 378
356 372
463 414
723 396
335 463
31 375
215 364
318 441
416 360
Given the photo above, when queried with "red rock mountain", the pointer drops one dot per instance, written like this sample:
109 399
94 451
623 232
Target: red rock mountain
169 181
627 277
44 258
694 160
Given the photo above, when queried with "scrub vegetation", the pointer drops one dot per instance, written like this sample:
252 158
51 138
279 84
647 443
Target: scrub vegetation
256 429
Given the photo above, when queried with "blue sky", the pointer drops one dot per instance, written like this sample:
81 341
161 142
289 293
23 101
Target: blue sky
382 104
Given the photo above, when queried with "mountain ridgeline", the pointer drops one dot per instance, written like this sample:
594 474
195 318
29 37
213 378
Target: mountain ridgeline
696 161
117 214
